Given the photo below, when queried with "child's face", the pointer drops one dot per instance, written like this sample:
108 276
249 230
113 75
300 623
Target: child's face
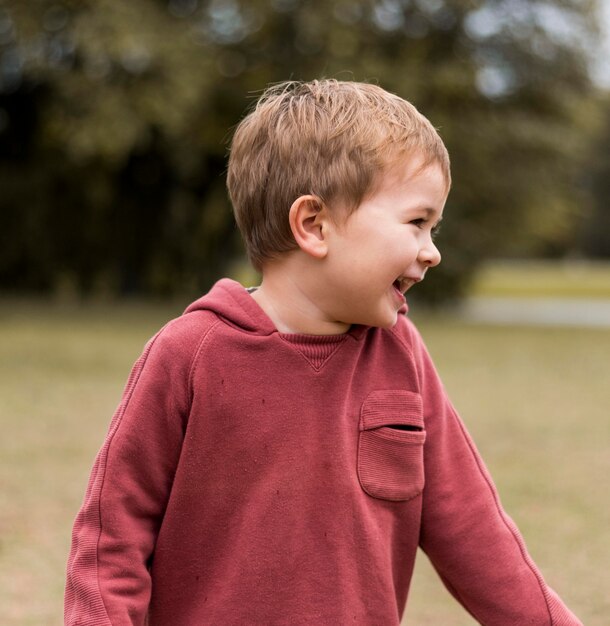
384 248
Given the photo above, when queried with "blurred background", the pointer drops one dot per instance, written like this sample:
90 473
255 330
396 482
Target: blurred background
115 119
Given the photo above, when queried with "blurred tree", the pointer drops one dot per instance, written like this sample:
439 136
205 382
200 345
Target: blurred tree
114 119
594 239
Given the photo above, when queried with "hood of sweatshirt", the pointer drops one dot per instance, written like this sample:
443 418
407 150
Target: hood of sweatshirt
231 301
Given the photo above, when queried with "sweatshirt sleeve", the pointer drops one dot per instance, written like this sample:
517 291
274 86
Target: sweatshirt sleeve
473 544
108 581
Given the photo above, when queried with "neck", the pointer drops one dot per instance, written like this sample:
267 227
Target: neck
291 305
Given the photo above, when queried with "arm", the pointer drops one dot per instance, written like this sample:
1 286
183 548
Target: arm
473 544
114 534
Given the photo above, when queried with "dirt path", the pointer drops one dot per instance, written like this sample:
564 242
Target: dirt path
531 311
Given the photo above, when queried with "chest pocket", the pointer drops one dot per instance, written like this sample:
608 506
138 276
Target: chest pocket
391 445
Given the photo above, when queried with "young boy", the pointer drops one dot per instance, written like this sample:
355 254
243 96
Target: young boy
280 453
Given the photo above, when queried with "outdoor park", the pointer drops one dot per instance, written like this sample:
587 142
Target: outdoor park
114 122
534 398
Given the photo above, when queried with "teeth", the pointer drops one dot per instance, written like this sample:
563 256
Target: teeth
403 283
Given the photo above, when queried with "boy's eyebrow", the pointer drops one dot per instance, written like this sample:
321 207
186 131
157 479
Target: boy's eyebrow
430 211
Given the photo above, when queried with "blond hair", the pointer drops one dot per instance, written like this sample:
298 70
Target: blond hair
328 138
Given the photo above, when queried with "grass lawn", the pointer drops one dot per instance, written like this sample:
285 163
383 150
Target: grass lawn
535 400
539 279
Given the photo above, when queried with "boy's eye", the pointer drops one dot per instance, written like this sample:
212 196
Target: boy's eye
420 222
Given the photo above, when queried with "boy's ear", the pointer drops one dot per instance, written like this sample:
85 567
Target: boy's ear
308 219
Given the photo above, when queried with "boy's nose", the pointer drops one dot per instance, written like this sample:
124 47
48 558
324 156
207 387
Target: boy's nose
430 255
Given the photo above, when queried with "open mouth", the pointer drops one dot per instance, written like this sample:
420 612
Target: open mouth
399 287
403 283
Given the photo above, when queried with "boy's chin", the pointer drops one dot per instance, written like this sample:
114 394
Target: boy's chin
387 323
385 318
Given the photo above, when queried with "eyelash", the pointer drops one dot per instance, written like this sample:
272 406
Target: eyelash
420 221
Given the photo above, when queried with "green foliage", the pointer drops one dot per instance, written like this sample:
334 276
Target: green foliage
114 119
594 237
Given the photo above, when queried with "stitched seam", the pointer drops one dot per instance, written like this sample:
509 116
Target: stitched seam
331 355
132 383
313 367
484 473
307 360
196 355
134 378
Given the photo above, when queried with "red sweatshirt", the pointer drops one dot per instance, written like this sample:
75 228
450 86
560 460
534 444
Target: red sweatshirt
255 477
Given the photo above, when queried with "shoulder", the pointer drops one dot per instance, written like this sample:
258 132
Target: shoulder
403 336
406 332
180 339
